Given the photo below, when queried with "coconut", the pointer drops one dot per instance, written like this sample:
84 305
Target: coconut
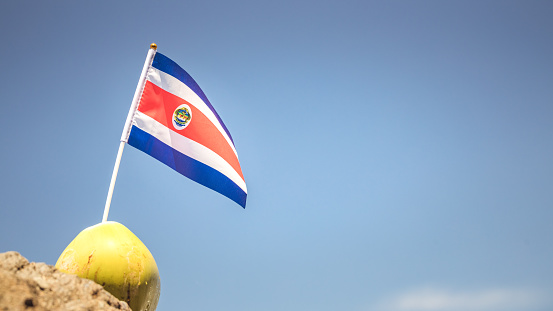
112 256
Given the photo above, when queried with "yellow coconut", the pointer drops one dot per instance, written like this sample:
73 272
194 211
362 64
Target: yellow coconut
112 256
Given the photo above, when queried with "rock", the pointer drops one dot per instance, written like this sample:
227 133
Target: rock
40 287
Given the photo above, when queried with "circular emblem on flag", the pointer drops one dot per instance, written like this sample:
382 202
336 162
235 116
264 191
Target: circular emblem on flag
182 117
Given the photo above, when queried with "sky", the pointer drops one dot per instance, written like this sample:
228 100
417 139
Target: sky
398 154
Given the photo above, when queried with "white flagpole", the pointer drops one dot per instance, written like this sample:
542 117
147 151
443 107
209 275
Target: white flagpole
128 124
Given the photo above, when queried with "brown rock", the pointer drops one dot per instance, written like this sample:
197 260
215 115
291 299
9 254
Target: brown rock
39 287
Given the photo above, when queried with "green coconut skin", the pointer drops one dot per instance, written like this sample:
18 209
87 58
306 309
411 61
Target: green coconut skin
112 256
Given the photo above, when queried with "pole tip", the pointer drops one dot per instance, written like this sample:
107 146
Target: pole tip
153 46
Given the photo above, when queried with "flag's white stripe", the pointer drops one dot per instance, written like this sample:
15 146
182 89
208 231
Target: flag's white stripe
187 147
176 87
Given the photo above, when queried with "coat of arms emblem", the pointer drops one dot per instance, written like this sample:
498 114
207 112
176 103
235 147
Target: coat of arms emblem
182 117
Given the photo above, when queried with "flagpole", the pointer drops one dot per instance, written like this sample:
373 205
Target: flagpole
128 124
112 183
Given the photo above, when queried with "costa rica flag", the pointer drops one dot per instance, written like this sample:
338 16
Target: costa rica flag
174 122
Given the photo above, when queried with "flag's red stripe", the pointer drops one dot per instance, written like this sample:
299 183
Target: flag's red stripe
160 105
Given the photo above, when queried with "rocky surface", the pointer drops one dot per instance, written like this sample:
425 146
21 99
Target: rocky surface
40 287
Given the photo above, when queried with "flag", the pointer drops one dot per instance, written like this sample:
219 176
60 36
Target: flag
175 123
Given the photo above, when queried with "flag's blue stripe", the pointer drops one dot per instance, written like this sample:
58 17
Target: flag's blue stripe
187 166
168 66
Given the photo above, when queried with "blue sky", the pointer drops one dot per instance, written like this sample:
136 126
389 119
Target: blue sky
398 154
